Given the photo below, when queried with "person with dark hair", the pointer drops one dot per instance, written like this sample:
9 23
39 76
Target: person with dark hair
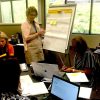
10 80
6 49
84 59
32 37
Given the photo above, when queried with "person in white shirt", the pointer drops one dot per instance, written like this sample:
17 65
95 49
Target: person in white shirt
32 37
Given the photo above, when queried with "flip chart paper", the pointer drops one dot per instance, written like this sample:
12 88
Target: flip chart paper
58 27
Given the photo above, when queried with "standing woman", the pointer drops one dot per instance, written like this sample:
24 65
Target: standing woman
32 37
6 49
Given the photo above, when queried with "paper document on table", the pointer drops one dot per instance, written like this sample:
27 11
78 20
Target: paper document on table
85 92
31 88
23 67
77 77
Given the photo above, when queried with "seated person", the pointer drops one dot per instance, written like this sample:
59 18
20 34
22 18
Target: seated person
9 80
84 60
98 47
6 49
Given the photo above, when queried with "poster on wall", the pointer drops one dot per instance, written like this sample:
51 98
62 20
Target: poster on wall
59 24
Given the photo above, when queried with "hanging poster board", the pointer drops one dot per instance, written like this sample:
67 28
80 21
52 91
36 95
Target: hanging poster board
59 24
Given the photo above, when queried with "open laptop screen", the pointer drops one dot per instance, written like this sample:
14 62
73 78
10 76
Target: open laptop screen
64 89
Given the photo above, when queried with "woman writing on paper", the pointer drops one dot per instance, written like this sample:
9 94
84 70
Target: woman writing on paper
84 60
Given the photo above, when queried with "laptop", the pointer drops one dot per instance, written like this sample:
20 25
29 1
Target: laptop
46 70
62 89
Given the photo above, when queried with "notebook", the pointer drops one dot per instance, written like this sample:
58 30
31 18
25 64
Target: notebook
63 90
46 70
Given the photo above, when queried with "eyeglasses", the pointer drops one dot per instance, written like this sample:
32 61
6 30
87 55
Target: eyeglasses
33 14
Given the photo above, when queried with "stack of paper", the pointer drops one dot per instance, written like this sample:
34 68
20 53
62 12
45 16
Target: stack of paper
77 77
30 88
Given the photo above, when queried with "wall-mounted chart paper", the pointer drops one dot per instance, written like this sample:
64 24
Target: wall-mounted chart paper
85 93
59 24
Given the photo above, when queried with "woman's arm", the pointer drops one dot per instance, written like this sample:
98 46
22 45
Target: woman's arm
87 71
25 27
73 70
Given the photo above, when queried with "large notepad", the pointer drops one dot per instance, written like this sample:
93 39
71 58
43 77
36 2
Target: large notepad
31 88
59 23
77 77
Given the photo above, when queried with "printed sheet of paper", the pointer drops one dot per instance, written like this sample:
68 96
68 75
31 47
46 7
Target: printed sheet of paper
77 77
85 92
58 28
30 88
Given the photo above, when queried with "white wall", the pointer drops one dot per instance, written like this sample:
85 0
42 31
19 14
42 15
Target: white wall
10 29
